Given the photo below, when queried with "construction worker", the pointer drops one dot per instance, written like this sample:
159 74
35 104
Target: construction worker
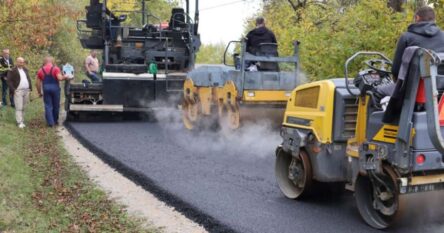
259 35
6 64
255 38
423 33
48 78
92 67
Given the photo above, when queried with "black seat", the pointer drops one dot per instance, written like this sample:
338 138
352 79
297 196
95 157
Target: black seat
178 20
94 16
268 50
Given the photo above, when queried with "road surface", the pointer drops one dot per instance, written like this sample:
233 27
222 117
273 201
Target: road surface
225 180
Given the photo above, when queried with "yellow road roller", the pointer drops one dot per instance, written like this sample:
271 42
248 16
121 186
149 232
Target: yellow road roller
250 87
338 131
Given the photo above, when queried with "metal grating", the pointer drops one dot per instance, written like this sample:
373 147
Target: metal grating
350 118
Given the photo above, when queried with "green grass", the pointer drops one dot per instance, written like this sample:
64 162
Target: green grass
43 190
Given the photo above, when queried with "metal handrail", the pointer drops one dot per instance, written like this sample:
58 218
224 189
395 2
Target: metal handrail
226 50
429 73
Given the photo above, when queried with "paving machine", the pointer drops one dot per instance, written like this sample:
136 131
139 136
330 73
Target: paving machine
145 61
230 93
334 131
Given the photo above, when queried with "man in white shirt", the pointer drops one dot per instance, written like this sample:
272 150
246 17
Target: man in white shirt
20 86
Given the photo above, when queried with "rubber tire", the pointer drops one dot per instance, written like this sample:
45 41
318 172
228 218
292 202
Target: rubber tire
364 202
287 187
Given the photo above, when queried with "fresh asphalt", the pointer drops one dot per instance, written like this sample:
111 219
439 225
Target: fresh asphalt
225 181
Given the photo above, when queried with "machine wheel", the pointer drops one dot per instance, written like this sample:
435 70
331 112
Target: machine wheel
190 114
293 174
229 116
378 199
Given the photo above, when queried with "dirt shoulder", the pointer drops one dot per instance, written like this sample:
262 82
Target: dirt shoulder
138 202
43 190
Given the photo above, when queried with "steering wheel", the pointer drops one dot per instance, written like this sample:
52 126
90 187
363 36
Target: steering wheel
380 65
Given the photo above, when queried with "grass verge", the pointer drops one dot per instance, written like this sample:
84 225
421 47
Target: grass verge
43 190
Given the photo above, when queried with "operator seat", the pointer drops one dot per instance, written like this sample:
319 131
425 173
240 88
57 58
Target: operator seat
94 16
178 20
268 50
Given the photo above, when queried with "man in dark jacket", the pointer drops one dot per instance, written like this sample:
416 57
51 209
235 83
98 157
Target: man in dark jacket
6 64
259 35
20 86
423 33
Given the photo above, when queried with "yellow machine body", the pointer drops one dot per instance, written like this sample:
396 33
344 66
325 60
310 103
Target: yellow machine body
253 104
312 103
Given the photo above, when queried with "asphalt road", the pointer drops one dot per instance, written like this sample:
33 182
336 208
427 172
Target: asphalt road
225 180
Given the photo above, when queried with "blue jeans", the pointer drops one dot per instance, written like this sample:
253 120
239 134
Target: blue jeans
51 98
5 93
95 78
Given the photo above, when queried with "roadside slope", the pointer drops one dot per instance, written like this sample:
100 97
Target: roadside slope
42 190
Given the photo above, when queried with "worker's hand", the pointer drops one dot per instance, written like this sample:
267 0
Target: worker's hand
40 95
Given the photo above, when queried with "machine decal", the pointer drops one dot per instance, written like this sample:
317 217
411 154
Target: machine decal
298 121
387 134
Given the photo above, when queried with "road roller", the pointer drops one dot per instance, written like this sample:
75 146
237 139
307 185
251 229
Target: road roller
251 87
337 131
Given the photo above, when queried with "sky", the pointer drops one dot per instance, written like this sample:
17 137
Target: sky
223 20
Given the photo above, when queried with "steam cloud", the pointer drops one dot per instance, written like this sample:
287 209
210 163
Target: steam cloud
258 138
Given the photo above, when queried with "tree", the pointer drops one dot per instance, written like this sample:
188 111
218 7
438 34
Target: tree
211 54
331 31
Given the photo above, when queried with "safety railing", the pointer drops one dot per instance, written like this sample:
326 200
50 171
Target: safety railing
429 63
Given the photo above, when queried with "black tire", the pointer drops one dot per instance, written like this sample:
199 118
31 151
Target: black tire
365 199
299 186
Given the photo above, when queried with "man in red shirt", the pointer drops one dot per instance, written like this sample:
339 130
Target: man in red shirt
48 78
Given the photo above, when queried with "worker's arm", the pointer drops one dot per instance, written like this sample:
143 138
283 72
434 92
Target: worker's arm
38 85
61 76
87 66
9 82
397 60
273 38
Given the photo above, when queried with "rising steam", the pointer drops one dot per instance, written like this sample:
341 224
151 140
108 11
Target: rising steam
258 138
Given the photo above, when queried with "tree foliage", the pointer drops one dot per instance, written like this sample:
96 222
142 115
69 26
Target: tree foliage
211 54
33 29
332 31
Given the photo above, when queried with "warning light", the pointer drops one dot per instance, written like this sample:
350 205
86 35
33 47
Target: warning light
420 159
